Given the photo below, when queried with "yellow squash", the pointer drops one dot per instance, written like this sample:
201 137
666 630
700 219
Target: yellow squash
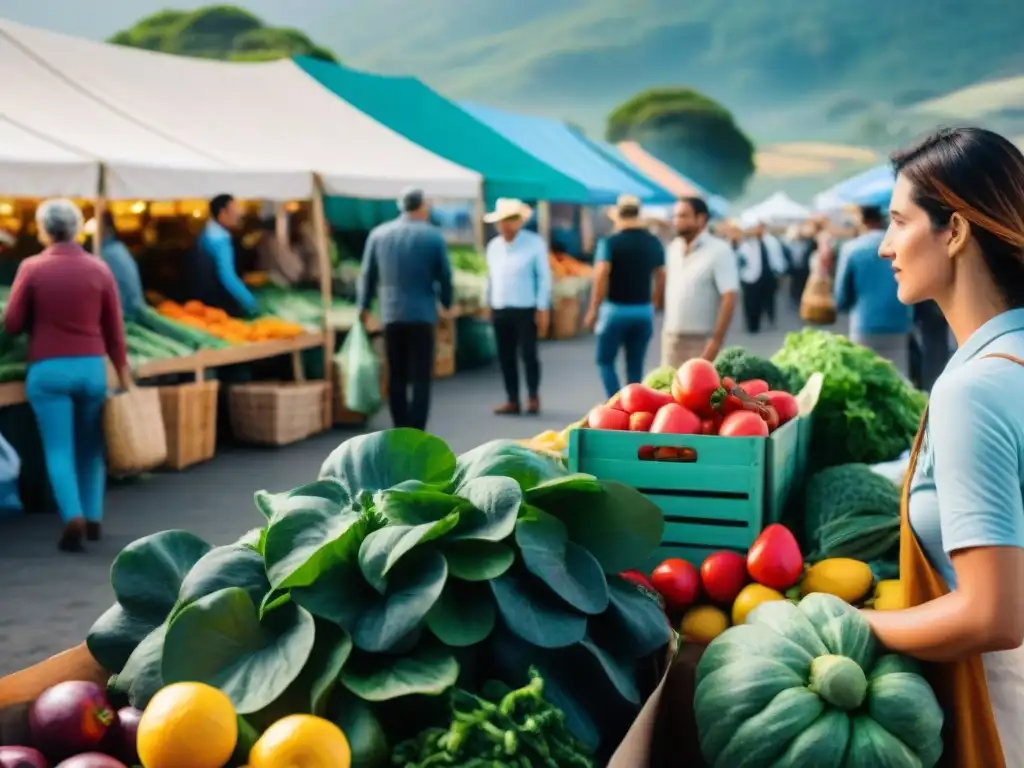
889 596
703 624
749 598
847 579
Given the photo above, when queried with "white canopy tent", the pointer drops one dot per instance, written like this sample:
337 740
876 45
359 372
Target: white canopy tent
780 208
38 167
166 126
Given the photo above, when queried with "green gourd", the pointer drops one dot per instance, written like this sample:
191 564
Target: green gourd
804 686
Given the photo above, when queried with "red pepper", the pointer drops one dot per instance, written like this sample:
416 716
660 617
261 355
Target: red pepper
731 397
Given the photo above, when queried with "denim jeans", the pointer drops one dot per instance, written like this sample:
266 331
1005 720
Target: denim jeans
623 326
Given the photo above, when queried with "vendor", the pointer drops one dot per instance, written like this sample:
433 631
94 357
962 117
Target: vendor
957 238
212 272
122 265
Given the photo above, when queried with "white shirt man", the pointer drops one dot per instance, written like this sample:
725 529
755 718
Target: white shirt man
701 286
762 262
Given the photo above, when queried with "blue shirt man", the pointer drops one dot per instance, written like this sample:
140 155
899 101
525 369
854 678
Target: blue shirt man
123 266
405 261
519 296
216 279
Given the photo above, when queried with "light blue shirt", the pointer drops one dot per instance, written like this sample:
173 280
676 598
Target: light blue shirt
126 274
968 490
406 261
215 242
866 288
518 272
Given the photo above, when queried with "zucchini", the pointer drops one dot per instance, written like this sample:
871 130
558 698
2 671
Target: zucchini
193 338
13 371
169 347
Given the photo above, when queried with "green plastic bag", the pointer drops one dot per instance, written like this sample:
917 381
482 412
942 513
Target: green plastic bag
360 372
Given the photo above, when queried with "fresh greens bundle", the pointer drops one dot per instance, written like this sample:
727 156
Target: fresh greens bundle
401 570
867 412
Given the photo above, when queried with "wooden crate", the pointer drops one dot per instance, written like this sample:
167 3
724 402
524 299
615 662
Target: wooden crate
190 421
275 412
444 348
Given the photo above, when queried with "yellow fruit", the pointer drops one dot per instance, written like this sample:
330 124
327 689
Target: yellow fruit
847 579
749 598
188 724
301 741
703 624
889 596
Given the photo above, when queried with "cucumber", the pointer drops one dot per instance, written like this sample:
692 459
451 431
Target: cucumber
170 347
13 371
193 338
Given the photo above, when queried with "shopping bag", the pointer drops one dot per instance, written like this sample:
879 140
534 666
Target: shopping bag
133 427
10 472
817 305
360 372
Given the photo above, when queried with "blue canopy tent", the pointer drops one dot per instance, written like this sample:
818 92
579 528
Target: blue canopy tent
560 147
613 155
872 187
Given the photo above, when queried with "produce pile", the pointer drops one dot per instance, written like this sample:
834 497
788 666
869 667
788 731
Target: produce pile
399 573
867 412
216 322
563 265
302 307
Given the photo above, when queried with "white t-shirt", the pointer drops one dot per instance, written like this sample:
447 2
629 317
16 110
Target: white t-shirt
696 281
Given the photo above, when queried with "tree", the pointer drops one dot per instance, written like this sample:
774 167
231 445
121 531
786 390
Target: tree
690 132
218 32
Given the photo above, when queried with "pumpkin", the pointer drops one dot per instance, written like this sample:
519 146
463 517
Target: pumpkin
804 685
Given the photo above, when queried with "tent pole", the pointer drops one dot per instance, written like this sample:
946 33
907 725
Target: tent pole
98 210
586 229
544 220
323 254
281 225
479 228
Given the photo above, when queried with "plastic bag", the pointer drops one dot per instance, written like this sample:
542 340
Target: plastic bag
359 367
10 471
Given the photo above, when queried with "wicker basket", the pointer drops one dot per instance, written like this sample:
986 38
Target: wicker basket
817 305
133 426
190 420
277 413
565 318
444 348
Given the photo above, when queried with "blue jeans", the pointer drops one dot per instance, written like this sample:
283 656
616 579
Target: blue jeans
628 326
67 396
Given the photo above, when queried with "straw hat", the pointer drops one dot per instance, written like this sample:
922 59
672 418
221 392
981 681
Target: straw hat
508 208
627 210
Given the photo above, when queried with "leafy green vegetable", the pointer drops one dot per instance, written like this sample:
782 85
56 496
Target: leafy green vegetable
399 571
741 365
867 412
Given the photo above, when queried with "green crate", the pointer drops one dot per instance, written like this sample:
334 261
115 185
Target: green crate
722 499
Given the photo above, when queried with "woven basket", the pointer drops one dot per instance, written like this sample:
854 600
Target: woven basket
133 426
190 420
277 413
565 319
817 305
444 348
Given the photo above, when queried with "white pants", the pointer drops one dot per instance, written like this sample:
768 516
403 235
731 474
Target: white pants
1004 672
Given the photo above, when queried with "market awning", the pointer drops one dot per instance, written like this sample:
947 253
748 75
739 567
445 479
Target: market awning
779 208
871 187
33 166
671 179
611 153
166 126
412 108
560 147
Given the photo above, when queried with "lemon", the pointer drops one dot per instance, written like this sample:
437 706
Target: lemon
188 724
847 579
301 741
703 624
889 596
749 598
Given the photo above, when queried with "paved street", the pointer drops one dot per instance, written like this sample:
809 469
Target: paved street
49 600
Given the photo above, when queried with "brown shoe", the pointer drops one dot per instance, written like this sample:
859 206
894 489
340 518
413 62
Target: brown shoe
71 539
93 531
533 406
508 409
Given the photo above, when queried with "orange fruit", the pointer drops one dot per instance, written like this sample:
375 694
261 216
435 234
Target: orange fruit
749 598
301 741
188 724
703 623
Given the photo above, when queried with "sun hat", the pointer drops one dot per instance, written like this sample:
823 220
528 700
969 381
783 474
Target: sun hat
508 208
627 209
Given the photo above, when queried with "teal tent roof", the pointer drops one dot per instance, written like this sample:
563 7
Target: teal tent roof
411 108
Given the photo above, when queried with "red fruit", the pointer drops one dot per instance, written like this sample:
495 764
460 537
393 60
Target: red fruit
678 582
91 760
774 559
693 385
785 405
641 421
636 398
723 575
754 387
646 453
615 401
603 417
743 424
674 419
70 718
22 757
637 578
708 427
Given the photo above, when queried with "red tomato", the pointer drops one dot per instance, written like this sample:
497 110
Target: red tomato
693 384
774 559
754 387
743 424
678 582
603 417
635 398
708 427
723 575
615 401
644 585
641 421
646 453
674 419
784 404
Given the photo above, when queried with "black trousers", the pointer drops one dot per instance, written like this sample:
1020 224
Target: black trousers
410 353
758 301
515 332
